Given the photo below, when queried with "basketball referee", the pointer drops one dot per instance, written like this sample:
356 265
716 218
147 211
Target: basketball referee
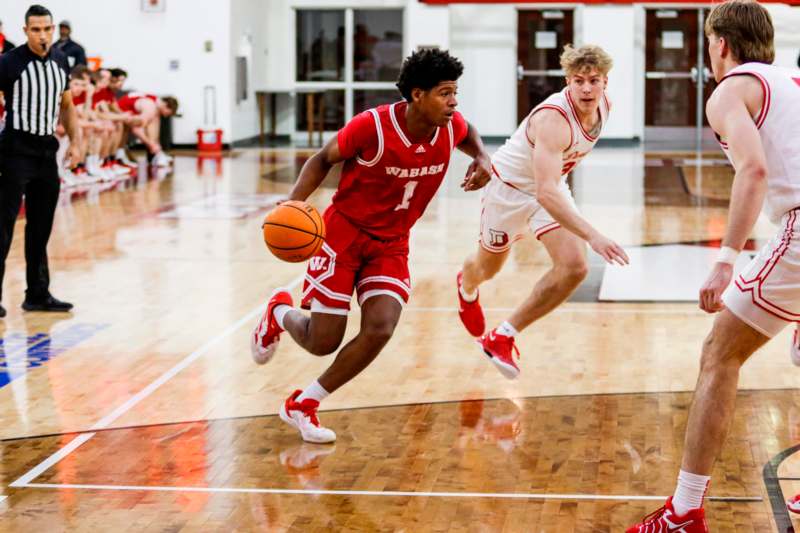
33 79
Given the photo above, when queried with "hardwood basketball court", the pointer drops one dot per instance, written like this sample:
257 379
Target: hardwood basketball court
142 410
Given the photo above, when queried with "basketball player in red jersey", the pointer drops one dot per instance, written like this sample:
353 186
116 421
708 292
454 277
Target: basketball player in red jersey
149 109
395 157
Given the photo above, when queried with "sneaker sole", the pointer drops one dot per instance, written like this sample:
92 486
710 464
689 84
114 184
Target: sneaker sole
794 511
508 371
289 420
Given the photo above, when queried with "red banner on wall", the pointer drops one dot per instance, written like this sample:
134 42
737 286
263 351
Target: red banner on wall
617 2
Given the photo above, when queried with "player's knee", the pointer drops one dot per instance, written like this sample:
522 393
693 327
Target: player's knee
324 346
574 271
715 356
378 331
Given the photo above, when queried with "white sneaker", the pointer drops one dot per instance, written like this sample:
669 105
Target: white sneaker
123 158
303 417
68 178
119 170
794 349
161 160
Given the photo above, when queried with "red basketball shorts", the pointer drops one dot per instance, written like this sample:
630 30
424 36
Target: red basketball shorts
352 259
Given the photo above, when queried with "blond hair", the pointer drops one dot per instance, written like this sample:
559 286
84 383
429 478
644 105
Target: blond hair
747 28
586 57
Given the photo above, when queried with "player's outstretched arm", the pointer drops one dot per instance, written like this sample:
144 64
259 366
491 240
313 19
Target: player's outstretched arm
730 110
552 136
315 169
480 170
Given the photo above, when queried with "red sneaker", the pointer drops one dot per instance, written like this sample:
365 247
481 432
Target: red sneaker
470 313
267 334
498 348
793 505
665 520
303 417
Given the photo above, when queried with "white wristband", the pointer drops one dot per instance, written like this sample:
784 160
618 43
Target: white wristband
727 255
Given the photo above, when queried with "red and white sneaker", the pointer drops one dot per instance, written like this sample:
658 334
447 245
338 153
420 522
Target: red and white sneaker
470 313
665 520
499 348
267 334
793 505
303 417
794 349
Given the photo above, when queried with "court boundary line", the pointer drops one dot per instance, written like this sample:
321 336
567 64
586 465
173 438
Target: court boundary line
380 406
693 311
396 494
83 437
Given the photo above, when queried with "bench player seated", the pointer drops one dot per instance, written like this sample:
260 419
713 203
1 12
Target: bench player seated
105 109
395 157
93 131
529 192
148 110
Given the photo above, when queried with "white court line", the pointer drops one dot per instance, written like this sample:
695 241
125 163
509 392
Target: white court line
605 310
107 420
3 498
389 493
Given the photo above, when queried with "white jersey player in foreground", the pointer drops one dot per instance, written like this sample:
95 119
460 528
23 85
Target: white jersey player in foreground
754 111
529 192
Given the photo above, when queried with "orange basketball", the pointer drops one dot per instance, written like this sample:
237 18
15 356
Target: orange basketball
293 231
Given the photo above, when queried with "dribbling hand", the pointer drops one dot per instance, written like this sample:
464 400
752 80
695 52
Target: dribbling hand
711 291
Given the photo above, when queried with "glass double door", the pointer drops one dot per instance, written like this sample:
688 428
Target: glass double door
678 78
541 36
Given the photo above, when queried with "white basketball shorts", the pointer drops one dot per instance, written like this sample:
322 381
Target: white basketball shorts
508 213
766 294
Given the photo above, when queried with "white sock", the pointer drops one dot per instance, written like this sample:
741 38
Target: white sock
313 391
120 154
468 296
507 330
280 312
690 492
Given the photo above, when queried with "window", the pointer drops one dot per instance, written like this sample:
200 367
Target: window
368 98
377 45
320 45
350 60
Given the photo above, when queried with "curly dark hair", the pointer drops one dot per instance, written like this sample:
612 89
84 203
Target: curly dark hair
427 68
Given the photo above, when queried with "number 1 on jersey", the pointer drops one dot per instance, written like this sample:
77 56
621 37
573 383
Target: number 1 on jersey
409 192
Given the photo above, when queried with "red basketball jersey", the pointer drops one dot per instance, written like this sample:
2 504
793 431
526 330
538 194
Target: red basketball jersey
388 180
80 99
102 95
128 102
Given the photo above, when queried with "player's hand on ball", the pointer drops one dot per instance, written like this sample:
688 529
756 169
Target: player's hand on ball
478 174
711 291
608 250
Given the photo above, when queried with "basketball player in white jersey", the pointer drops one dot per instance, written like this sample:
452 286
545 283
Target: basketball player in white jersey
529 191
754 111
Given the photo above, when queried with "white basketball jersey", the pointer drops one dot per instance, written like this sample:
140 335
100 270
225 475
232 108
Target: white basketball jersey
514 160
778 124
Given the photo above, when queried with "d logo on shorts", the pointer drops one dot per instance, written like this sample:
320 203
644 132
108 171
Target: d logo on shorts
498 238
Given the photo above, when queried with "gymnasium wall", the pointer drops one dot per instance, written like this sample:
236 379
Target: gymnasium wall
145 44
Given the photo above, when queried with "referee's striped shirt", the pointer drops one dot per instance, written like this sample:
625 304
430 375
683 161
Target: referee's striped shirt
32 87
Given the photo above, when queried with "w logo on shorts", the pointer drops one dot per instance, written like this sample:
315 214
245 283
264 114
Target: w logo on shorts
498 238
317 263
